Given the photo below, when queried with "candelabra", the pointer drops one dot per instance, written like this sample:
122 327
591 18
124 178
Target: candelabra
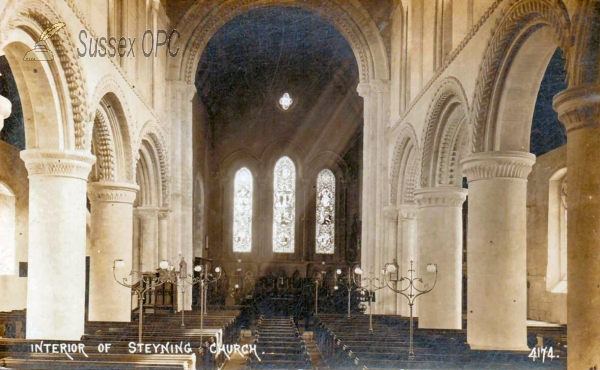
411 292
373 284
166 274
346 283
206 278
318 276
183 282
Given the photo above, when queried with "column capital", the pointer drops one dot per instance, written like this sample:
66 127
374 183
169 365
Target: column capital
112 192
60 163
442 196
390 213
186 89
146 213
364 89
578 107
408 211
490 165
163 213
380 86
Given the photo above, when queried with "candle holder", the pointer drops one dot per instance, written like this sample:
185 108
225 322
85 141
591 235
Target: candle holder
183 282
318 277
373 284
166 274
206 278
346 283
411 292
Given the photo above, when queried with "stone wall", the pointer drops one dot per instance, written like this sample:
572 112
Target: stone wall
542 303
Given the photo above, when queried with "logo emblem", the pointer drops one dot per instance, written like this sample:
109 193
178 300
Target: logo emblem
40 52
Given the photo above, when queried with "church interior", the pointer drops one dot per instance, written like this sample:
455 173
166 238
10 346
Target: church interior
299 184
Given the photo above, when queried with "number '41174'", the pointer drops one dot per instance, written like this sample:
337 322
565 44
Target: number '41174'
542 353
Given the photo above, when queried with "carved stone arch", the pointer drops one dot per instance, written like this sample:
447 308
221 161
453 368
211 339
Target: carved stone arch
444 122
152 133
351 19
521 20
81 113
103 149
109 97
405 148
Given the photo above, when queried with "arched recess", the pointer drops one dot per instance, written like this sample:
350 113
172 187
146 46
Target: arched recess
116 121
111 143
512 69
405 167
63 84
152 140
445 140
352 20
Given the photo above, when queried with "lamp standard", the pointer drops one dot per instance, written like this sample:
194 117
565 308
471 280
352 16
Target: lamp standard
411 292
166 273
205 279
373 284
346 283
184 281
318 276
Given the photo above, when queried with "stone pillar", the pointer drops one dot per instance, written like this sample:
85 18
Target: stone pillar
57 242
407 237
182 201
5 110
497 248
148 238
375 95
387 301
440 242
579 110
136 243
163 236
111 237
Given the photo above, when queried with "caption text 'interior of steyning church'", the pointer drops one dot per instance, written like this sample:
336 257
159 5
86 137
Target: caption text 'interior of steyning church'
299 184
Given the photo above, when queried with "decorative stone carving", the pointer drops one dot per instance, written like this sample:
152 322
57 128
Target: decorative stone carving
489 165
104 148
113 192
442 134
450 58
52 162
519 16
43 14
152 131
405 153
447 196
163 214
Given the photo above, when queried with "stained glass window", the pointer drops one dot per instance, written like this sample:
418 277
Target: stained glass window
284 205
325 238
242 211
